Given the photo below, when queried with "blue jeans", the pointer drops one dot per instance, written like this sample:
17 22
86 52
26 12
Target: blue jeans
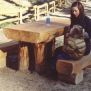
59 54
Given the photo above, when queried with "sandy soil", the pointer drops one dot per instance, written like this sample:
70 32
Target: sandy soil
11 80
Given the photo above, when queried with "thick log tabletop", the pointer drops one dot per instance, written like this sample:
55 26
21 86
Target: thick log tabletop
41 36
34 32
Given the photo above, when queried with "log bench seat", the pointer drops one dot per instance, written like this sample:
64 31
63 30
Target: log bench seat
71 71
10 50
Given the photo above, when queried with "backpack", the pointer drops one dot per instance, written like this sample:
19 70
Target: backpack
74 43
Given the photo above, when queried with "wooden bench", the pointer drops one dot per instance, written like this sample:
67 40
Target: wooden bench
11 54
71 71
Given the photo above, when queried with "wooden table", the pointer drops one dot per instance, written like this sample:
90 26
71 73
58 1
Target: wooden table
39 35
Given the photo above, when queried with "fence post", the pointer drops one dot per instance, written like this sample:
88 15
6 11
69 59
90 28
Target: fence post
20 16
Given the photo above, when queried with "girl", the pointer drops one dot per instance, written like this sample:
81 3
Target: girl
78 17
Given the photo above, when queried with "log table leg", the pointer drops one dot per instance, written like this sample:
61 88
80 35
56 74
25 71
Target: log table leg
43 53
24 58
39 57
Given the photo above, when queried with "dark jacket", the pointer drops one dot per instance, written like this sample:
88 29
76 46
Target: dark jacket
85 22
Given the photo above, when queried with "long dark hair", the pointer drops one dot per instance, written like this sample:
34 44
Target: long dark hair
81 9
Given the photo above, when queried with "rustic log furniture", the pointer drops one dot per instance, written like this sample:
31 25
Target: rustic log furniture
40 37
71 71
11 54
37 44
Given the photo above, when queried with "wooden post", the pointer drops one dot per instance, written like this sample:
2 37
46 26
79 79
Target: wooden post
61 2
43 53
20 16
35 12
24 58
39 57
46 9
54 7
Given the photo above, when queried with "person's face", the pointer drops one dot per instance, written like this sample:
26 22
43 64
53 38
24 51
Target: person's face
75 11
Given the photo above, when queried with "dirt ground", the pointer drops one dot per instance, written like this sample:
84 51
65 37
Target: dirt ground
11 80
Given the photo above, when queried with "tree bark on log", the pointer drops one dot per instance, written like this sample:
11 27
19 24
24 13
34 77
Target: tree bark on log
24 58
43 53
